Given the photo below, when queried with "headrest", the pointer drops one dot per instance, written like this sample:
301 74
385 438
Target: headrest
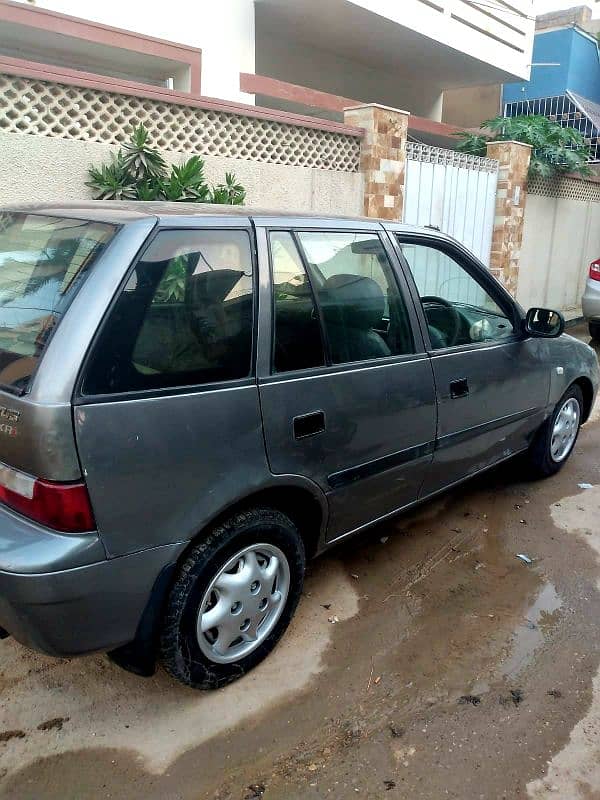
353 300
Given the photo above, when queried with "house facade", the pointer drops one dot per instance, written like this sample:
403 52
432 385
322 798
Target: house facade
301 100
565 78
405 55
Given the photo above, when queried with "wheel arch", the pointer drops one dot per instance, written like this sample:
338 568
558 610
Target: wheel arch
306 508
304 504
587 390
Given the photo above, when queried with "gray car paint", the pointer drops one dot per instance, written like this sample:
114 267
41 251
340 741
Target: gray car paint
385 428
508 385
43 443
95 606
28 548
161 467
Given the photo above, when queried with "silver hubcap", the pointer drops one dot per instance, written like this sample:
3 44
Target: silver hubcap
243 603
565 430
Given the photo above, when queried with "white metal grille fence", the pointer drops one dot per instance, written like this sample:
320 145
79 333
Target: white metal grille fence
456 193
438 155
70 112
563 110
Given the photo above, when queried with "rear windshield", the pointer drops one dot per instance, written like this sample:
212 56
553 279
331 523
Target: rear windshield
43 261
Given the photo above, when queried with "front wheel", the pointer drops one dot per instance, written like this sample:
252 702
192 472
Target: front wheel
555 440
234 596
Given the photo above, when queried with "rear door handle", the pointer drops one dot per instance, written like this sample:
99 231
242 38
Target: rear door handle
309 424
459 388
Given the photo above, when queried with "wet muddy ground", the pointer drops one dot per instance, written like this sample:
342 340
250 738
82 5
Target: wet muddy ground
455 670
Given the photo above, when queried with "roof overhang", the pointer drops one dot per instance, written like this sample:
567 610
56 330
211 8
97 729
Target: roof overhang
412 37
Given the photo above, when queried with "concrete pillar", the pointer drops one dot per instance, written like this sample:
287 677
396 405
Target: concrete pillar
509 218
382 158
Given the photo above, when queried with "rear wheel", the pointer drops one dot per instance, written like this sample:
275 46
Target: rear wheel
235 595
555 440
594 328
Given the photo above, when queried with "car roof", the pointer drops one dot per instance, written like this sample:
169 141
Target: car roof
122 212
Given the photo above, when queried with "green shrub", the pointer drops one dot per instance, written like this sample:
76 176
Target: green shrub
555 149
139 172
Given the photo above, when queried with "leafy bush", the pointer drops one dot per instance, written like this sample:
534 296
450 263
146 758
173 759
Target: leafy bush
555 149
139 172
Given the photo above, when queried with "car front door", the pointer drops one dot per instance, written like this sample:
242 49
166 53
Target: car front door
492 381
346 387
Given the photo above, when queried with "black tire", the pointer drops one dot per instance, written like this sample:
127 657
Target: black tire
539 458
180 652
594 328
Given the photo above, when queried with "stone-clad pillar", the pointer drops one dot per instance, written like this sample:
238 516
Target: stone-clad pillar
509 218
382 158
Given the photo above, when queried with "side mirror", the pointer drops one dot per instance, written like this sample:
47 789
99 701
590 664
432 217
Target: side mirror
544 322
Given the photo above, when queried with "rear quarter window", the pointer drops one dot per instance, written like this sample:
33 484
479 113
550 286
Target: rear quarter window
183 318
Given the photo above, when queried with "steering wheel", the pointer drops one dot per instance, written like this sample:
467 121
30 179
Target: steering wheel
455 319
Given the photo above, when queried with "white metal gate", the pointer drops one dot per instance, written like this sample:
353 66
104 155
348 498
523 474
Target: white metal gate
453 191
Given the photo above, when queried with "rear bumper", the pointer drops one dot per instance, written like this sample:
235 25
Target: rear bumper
51 604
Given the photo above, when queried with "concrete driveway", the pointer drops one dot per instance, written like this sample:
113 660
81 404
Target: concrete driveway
426 661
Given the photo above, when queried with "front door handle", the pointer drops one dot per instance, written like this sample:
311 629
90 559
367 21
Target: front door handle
309 424
459 388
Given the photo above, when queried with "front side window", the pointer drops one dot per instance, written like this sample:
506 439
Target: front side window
363 312
457 308
183 318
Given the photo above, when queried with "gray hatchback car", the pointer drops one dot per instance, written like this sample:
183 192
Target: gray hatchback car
195 399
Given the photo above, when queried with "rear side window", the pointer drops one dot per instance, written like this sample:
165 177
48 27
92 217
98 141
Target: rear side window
298 343
43 262
183 318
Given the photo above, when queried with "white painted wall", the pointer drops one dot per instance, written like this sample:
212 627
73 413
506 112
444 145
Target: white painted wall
43 169
224 30
560 238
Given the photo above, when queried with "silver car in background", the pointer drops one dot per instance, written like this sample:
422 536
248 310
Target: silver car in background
196 399
590 301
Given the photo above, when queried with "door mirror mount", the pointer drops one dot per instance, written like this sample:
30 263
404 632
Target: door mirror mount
544 323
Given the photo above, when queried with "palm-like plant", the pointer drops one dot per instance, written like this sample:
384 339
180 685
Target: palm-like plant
112 181
230 192
555 149
142 162
187 183
139 172
172 285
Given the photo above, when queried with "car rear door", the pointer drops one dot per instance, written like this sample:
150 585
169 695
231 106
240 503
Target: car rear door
346 387
167 418
492 381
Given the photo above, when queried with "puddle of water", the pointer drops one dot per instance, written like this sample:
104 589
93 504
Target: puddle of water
574 772
530 633
157 718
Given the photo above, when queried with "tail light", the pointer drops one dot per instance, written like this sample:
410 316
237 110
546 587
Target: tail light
64 507
595 270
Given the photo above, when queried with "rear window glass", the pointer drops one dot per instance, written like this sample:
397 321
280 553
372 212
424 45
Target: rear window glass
43 261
